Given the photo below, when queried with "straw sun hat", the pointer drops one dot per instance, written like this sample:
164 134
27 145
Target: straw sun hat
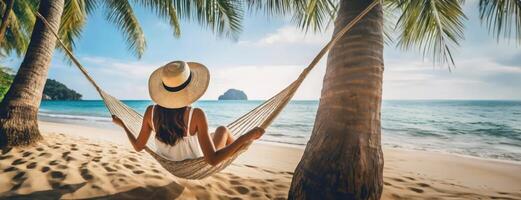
178 83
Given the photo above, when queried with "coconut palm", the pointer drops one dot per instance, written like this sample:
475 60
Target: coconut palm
19 108
343 158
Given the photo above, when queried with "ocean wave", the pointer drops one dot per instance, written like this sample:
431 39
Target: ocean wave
75 117
284 135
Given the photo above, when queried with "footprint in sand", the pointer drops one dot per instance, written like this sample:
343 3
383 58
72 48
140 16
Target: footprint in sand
417 190
138 172
69 158
6 150
26 154
388 184
128 166
398 179
96 159
31 165
54 162
57 175
109 169
19 177
255 195
234 182
18 161
85 173
46 155
10 169
423 185
242 190
45 169
39 149
62 167
65 154
5 157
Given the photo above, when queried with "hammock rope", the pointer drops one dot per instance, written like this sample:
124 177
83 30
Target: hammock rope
261 116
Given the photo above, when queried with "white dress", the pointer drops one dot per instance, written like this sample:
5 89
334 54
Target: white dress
186 148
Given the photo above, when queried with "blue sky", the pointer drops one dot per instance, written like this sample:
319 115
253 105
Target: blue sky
270 53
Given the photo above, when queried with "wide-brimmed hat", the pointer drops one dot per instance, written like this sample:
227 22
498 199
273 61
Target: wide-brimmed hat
178 83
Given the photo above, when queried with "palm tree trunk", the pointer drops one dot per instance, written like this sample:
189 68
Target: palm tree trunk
5 18
19 108
344 159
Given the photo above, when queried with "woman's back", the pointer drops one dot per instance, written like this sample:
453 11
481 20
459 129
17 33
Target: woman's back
186 147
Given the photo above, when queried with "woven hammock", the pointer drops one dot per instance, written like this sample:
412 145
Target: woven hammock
261 116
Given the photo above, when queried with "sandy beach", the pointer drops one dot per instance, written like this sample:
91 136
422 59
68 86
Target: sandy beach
76 161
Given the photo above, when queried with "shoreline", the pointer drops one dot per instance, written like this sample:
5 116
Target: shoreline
109 126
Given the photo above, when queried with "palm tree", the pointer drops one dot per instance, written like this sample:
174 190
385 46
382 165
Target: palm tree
343 158
19 108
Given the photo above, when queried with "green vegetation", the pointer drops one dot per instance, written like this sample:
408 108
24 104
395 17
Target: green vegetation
5 81
53 90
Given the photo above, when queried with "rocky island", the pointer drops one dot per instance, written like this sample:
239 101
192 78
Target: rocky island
233 94
55 90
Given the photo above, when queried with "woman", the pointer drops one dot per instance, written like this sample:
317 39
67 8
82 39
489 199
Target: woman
181 132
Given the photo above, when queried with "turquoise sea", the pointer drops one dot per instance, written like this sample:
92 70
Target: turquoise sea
479 128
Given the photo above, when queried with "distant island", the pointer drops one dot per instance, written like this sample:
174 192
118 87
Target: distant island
233 94
53 89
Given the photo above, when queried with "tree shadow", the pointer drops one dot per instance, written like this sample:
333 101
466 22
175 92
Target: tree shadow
170 191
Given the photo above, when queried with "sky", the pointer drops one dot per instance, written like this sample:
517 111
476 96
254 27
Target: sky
271 52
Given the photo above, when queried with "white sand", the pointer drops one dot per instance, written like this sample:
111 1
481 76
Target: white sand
78 161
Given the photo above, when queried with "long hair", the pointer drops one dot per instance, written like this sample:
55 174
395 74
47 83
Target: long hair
169 124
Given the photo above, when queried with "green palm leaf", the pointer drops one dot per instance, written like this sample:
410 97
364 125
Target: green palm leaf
502 17
435 27
122 15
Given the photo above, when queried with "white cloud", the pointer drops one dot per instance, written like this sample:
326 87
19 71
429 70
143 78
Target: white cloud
290 35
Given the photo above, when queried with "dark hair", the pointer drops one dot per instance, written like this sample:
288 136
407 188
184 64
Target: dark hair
169 124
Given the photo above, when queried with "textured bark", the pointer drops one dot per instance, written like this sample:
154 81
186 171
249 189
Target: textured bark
343 158
19 108
5 18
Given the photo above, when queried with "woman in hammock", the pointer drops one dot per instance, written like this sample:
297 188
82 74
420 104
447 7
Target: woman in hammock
181 132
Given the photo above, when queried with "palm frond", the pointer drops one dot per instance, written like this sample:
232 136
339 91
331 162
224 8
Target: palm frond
166 10
433 26
221 16
73 20
271 7
314 15
19 28
502 17
121 14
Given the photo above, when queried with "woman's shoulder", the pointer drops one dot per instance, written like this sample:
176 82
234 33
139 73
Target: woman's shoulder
198 113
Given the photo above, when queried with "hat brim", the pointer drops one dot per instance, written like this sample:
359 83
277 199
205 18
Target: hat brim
191 93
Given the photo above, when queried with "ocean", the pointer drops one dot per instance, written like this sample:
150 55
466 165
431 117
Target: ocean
478 128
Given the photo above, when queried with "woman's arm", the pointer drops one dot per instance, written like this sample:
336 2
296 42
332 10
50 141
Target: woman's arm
141 141
212 156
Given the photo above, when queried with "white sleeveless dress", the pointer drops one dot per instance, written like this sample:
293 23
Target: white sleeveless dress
186 148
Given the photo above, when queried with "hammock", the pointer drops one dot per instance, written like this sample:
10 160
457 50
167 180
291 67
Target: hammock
261 116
